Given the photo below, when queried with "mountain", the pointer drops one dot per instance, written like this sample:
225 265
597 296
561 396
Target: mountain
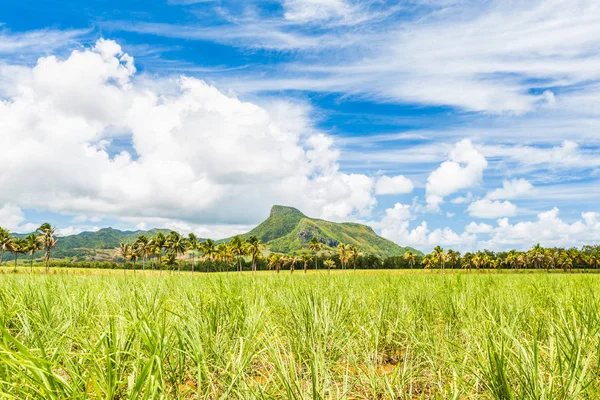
97 245
288 230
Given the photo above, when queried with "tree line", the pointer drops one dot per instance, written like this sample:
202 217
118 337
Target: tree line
43 239
174 251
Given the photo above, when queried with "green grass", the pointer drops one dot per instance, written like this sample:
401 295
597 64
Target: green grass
374 334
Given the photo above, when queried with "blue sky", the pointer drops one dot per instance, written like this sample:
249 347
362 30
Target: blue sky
463 123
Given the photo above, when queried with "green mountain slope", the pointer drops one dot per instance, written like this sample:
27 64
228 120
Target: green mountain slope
97 245
106 238
287 230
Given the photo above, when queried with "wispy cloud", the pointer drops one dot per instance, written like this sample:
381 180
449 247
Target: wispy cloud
38 41
489 57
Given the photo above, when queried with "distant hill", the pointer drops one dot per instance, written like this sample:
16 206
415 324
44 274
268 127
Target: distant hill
97 245
288 230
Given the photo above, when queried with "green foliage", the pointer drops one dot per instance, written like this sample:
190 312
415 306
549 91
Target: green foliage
106 238
287 230
364 336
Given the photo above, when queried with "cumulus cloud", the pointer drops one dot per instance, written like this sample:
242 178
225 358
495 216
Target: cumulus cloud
395 225
463 169
548 230
197 155
13 219
511 189
475 227
393 185
486 208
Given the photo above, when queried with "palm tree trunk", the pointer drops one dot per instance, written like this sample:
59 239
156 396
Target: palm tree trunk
31 263
193 260
16 259
1 257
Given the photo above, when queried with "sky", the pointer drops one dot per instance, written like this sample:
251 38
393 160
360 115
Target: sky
468 124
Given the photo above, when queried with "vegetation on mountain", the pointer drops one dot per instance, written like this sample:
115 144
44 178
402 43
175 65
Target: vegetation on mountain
287 230
305 240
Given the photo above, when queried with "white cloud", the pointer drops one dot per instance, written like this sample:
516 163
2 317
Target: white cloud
462 199
13 219
393 185
395 226
197 155
309 11
75 230
486 208
39 41
511 189
493 54
463 170
548 230
474 227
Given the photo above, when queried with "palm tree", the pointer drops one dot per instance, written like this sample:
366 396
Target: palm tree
224 254
329 263
124 251
135 255
33 243
410 258
512 259
238 248
292 260
208 250
439 256
142 245
550 258
193 245
253 248
274 261
593 260
158 243
428 261
177 245
17 246
467 261
48 235
306 258
170 260
316 246
536 256
565 261
453 257
4 240
343 249
354 254
478 260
